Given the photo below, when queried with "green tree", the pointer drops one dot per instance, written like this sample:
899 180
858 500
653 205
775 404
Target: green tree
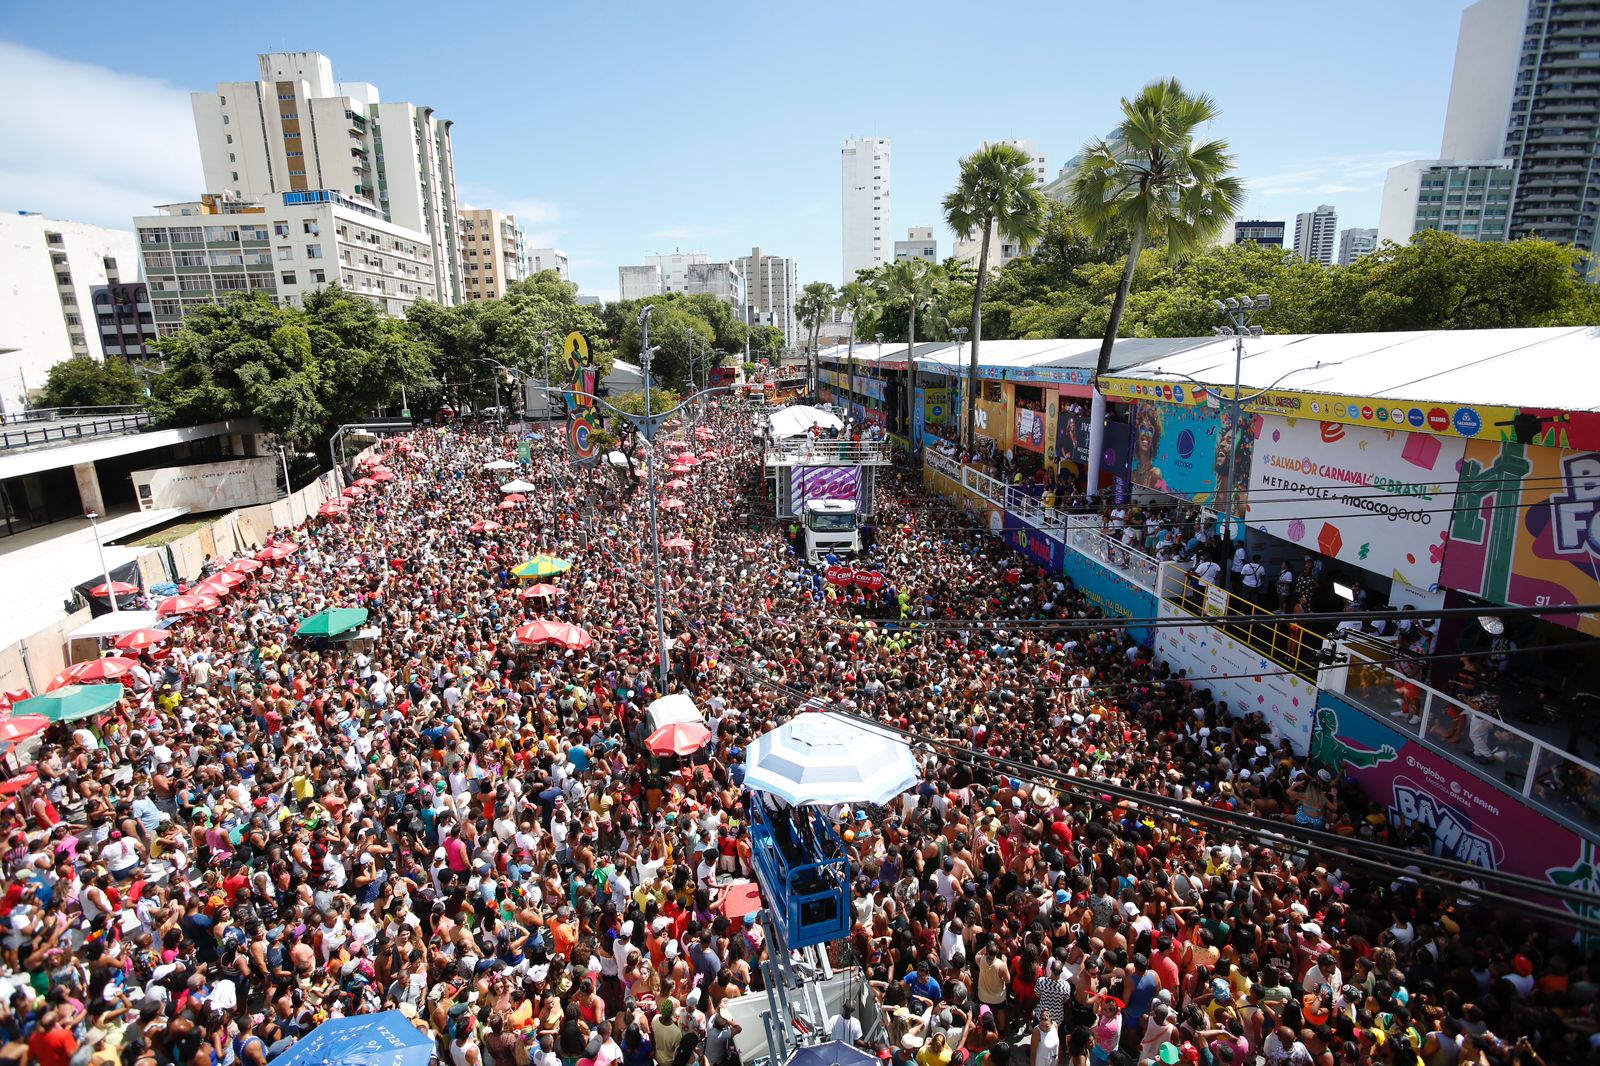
857 300
812 308
996 193
677 332
85 382
908 284
1151 181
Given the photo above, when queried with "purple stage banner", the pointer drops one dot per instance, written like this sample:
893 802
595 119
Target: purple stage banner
825 483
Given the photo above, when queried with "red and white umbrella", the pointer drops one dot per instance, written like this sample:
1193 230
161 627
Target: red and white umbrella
275 552
365 483
213 588
539 591
678 738
187 603
672 503
22 727
333 509
116 588
547 632
484 525
110 668
242 566
679 544
381 474
355 492
704 432
677 484
140 639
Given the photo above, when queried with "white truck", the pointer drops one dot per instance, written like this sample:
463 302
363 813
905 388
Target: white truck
832 527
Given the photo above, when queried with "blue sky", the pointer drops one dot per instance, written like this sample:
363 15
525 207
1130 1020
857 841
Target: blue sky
619 129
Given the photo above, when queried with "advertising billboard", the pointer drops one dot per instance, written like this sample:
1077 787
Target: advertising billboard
1526 528
1235 672
1466 818
1072 434
1111 592
1378 499
1115 460
1042 549
824 483
1183 451
1030 430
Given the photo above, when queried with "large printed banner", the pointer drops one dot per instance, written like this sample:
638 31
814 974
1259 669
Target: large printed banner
1526 528
1115 460
1378 499
1072 434
1236 673
824 483
1467 818
1112 593
1030 430
1044 550
1183 451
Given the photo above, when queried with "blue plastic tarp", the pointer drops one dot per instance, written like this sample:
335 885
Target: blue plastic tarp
386 1039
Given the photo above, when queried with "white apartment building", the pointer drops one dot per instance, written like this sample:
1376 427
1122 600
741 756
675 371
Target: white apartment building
864 173
538 260
722 280
638 282
297 130
491 253
1041 170
675 268
48 271
769 285
286 245
1315 234
919 244
1355 243
1001 249
1467 197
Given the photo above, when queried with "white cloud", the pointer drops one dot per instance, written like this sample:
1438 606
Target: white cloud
1331 174
88 144
675 233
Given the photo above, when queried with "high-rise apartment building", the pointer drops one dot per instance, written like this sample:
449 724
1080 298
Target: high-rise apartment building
721 280
1041 171
1468 197
285 245
538 260
675 268
296 130
1355 243
769 285
1001 249
51 270
1315 233
864 173
125 320
1488 49
638 282
919 244
491 253
1257 231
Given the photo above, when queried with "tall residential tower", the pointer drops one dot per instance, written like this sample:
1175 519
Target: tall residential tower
1315 234
864 167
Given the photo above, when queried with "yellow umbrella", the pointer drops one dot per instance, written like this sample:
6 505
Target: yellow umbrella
543 566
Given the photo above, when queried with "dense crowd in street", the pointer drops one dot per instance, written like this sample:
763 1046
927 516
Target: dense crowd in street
277 831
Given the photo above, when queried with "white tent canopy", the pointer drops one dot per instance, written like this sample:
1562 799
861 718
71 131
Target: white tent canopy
519 486
797 421
669 709
500 464
115 624
821 758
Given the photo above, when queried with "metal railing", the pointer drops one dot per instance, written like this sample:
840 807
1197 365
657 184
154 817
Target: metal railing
806 450
57 414
1551 778
1277 636
1086 535
1032 509
37 433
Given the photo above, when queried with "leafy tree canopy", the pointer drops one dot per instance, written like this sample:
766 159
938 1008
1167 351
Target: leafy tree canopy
83 382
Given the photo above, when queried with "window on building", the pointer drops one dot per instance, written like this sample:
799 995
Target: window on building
222 101
281 229
285 252
76 337
313 251
167 307
309 225
226 120
287 277
318 277
77 320
229 136
63 279
68 300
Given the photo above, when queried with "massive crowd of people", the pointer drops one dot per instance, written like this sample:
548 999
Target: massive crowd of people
278 831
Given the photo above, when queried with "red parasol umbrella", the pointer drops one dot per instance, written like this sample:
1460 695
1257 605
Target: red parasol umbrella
677 484
381 474
672 503
547 632
704 433
332 509
688 459
355 492
188 603
739 899
116 588
242 566
22 727
680 468
110 668
274 552
212 587
539 590
508 505
141 639
12 785
678 738
484 525
678 445
679 544
365 483
515 497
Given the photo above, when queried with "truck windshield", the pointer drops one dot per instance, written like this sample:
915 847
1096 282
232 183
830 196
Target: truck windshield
823 522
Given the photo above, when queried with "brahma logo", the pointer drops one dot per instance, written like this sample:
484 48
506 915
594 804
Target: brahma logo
1366 413
1577 511
1438 420
1332 432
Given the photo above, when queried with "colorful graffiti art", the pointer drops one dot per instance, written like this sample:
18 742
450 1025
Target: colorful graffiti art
1526 528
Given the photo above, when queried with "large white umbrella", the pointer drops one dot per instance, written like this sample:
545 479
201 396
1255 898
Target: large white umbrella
669 709
500 464
519 486
796 421
821 758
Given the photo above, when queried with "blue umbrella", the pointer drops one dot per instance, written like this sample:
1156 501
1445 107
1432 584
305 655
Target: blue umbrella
832 1053
386 1039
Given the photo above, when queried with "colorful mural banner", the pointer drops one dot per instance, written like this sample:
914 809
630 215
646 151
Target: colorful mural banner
1378 499
1183 451
1072 433
1526 528
824 483
1250 682
1528 425
936 406
580 440
1115 460
1045 550
1112 593
1466 817
1030 430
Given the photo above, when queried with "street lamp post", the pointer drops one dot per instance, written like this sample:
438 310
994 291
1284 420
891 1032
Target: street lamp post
111 593
961 335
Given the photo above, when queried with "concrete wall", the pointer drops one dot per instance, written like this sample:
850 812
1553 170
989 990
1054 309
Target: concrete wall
203 487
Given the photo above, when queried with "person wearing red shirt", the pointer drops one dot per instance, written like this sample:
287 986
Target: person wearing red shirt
52 1044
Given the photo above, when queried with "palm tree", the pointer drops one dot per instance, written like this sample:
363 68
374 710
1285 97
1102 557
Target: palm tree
1151 180
908 282
812 308
996 193
856 299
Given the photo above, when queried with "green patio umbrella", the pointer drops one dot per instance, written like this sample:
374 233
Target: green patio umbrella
332 622
71 702
543 566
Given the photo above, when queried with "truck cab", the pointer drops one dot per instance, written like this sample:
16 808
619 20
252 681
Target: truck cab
832 527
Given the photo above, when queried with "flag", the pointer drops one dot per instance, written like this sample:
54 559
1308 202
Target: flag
580 439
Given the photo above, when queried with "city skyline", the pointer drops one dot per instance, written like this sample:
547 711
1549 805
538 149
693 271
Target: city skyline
780 189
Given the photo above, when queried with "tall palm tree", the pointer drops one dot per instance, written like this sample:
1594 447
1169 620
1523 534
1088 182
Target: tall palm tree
812 307
857 299
908 282
996 193
1152 181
